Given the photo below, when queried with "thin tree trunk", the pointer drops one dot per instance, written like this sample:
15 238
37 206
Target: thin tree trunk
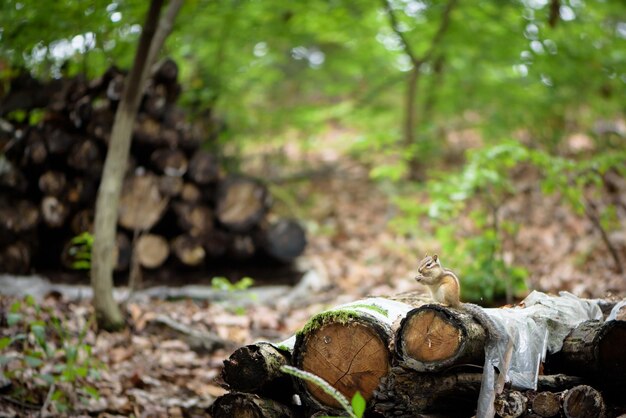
153 35
411 118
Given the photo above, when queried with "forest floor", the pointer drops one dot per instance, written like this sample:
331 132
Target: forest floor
150 369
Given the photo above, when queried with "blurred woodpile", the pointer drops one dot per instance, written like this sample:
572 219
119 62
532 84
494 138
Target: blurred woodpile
178 206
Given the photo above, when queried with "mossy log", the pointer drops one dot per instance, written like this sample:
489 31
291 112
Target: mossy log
247 405
348 347
434 337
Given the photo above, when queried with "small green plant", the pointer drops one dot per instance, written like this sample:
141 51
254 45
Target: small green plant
46 363
222 283
354 409
80 251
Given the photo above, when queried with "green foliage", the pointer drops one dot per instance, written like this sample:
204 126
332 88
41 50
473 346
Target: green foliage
43 354
480 189
80 251
223 284
354 409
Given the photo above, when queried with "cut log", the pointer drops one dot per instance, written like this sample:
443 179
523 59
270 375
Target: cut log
511 404
80 112
86 156
408 393
546 404
190 193
141 203
101 121
58 142
217 243
81 190
433 337
197 220
170 186
203 167
283 240
594 349
152 250
15 258
82 221
54 212
171 162
52 183
35 152
249 406
11 178
155 101
582 402
17 217
347 347
241 203
241 247
115 88
255 368
188 250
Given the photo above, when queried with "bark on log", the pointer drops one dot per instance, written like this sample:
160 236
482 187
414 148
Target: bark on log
188 250
241 203
249 406
152 250
511 404
347 347
52 183
283 240
408 393
255 368
203 167
594 349
582 402
434 337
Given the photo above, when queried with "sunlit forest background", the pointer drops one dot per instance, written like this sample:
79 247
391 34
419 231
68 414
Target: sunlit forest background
490 132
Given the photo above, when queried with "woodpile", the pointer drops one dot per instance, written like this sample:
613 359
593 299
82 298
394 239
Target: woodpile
177 206
408 357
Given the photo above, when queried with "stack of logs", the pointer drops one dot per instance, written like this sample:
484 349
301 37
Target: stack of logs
176 200
427 363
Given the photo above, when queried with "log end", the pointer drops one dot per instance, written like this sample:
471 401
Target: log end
347 351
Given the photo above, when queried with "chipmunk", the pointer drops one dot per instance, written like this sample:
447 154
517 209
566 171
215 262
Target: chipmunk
445 288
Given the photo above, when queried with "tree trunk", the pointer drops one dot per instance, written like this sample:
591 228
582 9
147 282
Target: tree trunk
153 34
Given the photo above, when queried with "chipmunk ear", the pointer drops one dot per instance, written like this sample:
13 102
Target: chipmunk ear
435 257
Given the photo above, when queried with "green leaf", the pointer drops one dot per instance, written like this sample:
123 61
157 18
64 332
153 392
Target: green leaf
358 404
5 342
92 391
13 318
33 361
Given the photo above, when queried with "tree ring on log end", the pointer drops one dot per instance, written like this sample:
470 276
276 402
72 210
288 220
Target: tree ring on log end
433 337
348 350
